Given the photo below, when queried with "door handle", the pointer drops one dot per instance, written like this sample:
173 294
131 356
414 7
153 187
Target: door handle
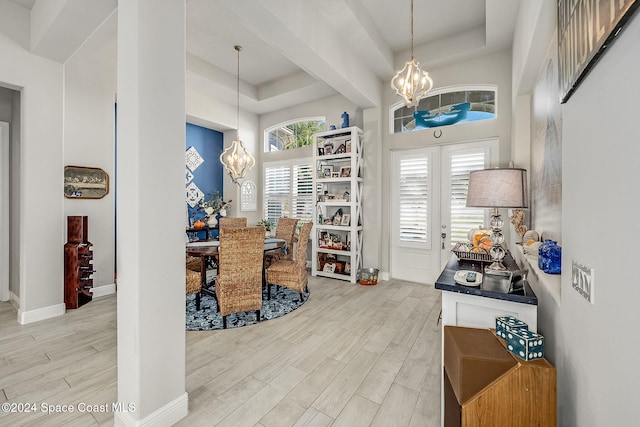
444 236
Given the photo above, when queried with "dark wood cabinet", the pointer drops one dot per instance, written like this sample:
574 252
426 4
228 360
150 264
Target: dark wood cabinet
485 385
78 263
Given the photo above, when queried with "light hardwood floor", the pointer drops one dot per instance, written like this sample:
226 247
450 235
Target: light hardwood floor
350 356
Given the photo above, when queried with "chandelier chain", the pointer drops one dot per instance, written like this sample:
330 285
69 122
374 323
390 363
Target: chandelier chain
412 30
238 48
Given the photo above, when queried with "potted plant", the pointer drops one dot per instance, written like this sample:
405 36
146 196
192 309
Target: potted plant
268 225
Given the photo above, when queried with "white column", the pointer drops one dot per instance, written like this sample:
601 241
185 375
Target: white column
150 212
372 249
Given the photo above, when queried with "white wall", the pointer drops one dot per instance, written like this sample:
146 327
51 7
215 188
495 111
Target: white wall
596 356
40 187
89 117
492 69
594 347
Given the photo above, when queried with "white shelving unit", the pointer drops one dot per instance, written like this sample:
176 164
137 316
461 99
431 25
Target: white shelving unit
338 178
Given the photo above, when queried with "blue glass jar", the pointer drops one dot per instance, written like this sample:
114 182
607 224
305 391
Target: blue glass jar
550 257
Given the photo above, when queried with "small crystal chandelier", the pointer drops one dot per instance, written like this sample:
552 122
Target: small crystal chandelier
237 160
412 83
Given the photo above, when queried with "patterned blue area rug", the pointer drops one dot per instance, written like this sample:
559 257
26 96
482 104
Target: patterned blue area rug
283 301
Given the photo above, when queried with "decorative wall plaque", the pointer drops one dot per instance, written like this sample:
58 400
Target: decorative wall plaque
585 29
85 183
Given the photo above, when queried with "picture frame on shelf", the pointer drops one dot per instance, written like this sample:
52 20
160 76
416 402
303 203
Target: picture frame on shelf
346 220
328 148
337 219
320 151
345 172
335 174
341 149
327 171
347 145
329 268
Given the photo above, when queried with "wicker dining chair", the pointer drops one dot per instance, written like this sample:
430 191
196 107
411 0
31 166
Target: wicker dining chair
239 281
226 223
285 230
193 285
193 263
292 273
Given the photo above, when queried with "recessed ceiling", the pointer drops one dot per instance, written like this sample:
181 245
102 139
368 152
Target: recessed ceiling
433 20
299 51
27 4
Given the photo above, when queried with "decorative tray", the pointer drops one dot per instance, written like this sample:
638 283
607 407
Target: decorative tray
461 278
467 252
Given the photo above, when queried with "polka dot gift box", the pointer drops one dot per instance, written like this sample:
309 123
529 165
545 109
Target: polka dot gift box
525 344
506 323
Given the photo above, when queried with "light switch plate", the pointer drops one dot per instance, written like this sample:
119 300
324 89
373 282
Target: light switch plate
582 279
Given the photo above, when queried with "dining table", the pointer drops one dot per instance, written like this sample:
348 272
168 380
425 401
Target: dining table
207 250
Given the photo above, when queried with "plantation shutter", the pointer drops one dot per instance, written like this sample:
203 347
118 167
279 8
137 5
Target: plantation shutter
464 219
302 202
277 188
412 198
288 190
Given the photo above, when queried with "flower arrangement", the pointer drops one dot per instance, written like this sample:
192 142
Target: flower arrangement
215 205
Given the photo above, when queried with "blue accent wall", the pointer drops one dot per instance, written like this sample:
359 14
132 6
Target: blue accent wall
209 175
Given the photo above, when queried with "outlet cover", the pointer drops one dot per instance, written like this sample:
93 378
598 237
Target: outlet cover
582 279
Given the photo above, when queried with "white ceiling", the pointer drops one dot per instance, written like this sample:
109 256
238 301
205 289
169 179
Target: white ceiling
27 4
296 51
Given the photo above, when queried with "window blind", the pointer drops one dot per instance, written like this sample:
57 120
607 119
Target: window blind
288 190
412 197
464 219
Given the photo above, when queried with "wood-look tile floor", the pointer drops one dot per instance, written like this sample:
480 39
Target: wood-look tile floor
350 356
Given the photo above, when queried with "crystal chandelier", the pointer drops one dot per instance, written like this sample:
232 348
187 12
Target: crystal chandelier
237 160
412 83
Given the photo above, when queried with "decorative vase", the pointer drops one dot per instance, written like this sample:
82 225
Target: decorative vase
550 257
345 120
213 221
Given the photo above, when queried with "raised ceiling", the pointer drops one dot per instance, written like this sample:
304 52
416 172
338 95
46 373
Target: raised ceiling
298 51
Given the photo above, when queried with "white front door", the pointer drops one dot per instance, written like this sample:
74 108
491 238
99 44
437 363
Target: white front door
415 184
428 213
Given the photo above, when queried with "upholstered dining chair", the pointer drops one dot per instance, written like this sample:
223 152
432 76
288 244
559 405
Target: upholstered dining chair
226 223
285 230
292 273
238 285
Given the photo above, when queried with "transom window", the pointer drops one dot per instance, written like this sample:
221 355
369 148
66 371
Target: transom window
294 134
446 106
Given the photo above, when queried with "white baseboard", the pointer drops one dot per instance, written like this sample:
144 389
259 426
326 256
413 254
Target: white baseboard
168 415
383 275
101 291
25 317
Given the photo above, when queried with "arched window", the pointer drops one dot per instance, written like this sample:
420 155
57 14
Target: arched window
293 134
444 107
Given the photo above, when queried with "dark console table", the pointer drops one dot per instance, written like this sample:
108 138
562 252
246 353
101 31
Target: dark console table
446 282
